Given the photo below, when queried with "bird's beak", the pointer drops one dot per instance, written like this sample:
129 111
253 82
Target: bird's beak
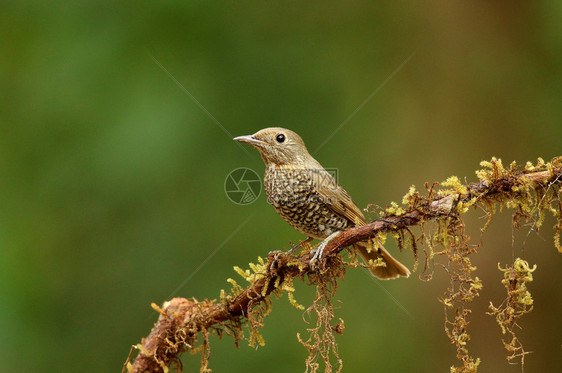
249 139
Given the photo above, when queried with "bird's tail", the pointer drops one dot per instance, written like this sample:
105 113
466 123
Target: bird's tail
393 267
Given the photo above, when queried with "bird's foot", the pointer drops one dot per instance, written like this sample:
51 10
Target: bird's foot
320 249
308 239
275 260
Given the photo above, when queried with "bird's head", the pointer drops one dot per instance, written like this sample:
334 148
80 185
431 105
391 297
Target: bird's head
278 146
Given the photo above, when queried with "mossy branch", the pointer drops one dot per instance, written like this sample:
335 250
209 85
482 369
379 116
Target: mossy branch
185 323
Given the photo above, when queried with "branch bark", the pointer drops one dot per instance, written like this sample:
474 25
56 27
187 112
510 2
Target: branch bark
182 320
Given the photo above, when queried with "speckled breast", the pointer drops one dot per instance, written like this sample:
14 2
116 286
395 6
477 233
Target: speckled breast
292 193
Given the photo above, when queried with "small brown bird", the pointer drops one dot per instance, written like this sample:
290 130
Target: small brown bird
309 198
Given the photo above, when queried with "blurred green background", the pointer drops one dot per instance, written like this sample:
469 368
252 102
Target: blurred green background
112 177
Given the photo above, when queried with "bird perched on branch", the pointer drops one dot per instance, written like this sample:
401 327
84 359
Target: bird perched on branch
310 199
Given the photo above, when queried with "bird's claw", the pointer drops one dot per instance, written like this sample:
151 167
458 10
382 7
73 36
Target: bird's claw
319 251
308 239
274 262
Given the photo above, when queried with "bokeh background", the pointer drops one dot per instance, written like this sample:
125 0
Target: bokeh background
112 177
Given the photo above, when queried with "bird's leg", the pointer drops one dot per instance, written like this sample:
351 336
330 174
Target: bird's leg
308 239
320 249
274 262
276 253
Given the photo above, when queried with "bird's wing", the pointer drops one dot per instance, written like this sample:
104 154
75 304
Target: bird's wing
337 198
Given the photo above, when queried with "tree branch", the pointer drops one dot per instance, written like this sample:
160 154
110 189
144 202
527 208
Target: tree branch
181 320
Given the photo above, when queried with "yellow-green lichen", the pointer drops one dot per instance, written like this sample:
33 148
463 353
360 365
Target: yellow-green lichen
530 167
518 303
412 197
394 209
256 270
456 187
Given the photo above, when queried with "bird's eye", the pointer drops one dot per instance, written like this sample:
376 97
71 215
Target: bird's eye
280 138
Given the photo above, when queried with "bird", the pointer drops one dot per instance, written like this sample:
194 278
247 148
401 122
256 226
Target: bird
310 199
